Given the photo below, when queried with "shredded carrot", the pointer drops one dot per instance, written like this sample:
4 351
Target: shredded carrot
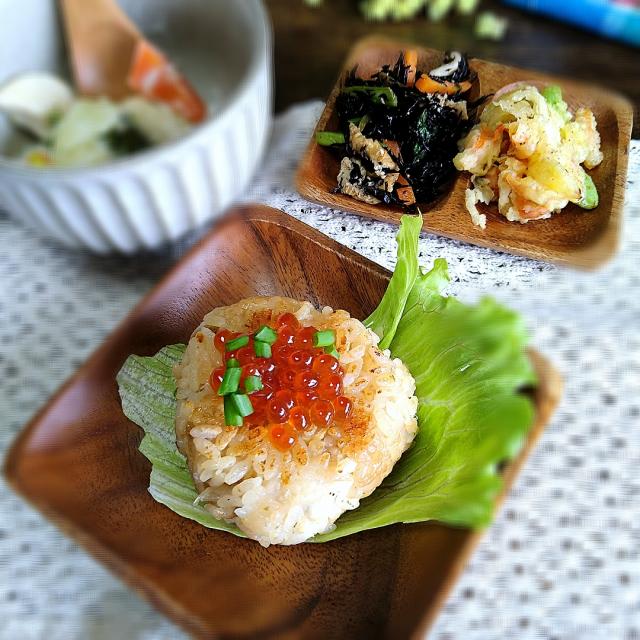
405 191
425 84
393 147
410 57
406 195
528 210
486 135
153 76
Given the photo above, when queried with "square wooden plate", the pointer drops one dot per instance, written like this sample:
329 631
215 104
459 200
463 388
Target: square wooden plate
78 462
575 237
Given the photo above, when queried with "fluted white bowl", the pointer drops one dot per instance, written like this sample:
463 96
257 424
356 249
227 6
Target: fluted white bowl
153 197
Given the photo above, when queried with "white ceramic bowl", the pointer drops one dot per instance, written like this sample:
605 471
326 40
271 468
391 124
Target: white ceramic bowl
153 197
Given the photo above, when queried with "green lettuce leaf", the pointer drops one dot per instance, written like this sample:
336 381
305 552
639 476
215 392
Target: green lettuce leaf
148 393
470 365
385 318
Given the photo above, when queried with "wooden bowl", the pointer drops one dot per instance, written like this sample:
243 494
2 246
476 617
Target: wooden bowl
575 237
78 462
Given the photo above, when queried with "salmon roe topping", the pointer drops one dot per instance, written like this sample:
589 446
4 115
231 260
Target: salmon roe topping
223 336
301 384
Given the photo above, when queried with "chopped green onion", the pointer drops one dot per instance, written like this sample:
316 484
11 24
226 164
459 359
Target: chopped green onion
589 198
242 404
231 416
262 349
379 95
552 93
324 338
237 343
252 384
329 138
266 334
332 351
233 363
230 381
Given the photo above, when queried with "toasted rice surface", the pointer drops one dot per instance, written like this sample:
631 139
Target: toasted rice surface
287 497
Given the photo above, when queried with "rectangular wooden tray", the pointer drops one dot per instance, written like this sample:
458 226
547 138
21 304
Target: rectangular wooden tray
583 239
78 462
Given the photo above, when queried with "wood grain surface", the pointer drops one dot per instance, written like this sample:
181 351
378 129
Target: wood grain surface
312 42
574 237
78 462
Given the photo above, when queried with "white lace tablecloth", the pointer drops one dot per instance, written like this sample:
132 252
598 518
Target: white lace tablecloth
562 559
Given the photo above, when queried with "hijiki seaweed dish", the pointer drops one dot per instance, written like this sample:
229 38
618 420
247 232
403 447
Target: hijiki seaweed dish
403 133
399 130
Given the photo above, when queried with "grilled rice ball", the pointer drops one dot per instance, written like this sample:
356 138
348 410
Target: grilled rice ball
286 491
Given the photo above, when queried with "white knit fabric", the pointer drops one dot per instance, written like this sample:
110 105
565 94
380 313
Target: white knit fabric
562 559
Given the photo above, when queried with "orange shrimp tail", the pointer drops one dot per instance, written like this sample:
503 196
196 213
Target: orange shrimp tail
152 76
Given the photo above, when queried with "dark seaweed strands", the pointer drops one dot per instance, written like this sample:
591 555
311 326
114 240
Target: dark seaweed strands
426 130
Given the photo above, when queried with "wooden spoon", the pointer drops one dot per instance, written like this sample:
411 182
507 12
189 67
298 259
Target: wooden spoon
110 57
101 41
